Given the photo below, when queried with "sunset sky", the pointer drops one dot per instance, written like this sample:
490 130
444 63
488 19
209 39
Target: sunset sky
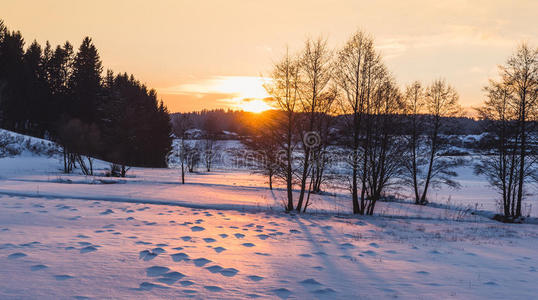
214 54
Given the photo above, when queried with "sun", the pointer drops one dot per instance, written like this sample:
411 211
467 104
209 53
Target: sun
255 106
245 93
248 92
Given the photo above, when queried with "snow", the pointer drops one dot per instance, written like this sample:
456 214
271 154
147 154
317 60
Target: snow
223 235
58 248
220 189
18 144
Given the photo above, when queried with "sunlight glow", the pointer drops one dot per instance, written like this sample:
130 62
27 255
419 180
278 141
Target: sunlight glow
238 92
255 106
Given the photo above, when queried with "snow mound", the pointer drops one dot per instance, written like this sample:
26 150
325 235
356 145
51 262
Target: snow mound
13 144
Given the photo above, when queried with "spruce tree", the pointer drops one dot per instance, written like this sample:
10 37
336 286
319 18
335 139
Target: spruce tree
36 92
85 82
12 78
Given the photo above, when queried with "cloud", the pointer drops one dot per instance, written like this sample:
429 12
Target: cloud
248 86
195 102
450 35
476 69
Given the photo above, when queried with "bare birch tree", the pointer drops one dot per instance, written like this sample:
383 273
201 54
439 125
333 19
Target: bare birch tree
512 110
315 74
283 88
414 99
352 73
384 160
181 124
441 101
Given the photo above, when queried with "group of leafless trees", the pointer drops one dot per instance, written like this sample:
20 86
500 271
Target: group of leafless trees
303 90
511 110
384 136
192 153
390 136
343 109
425 108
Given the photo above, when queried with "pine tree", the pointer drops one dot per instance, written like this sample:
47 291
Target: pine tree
136 127
58 68
12 78
85 82
36 92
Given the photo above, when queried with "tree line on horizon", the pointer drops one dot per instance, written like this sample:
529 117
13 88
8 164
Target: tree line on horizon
238 122
62 95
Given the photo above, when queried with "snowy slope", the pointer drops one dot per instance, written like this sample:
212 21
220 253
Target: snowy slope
23 145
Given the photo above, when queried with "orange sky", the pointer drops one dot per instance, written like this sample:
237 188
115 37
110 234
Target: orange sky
209 54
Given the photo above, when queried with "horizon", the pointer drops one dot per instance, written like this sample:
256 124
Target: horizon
215 55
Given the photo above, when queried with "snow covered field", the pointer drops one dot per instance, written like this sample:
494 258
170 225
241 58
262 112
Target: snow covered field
475 192
64 248
224 235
